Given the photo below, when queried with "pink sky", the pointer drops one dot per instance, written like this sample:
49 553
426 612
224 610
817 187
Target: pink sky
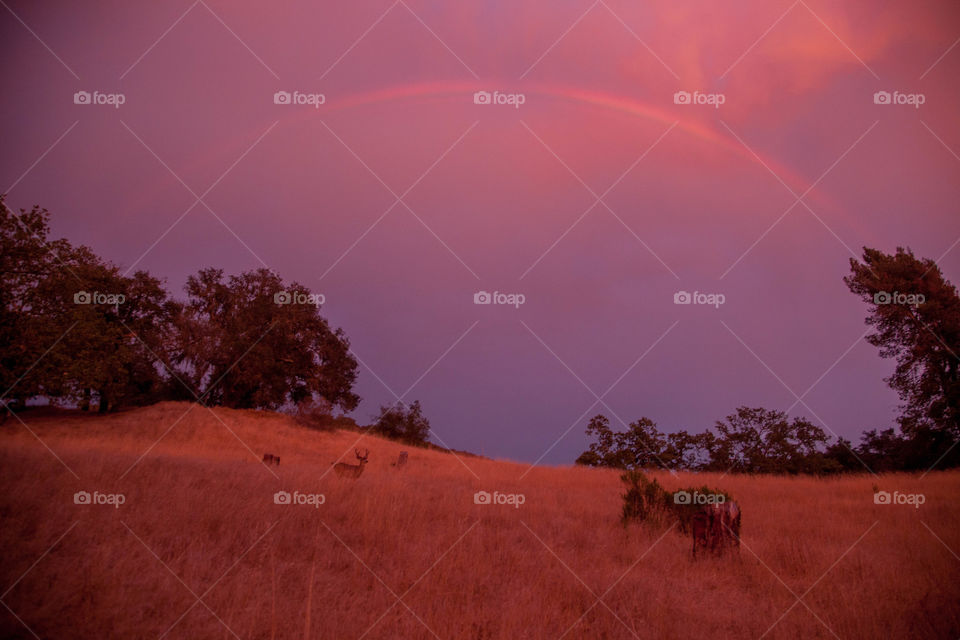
500 195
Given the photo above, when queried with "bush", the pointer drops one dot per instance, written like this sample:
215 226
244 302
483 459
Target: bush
406 424
645 500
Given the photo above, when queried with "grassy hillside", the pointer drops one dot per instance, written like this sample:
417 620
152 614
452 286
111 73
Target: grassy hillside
200 549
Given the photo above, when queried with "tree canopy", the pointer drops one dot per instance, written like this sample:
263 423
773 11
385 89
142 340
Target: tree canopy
76 329
751 440
916 316
403 422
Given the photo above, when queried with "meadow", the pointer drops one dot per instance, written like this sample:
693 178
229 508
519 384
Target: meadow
200 548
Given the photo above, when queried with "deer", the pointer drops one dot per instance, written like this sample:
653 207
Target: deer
716 527
352 470
269 458
401 460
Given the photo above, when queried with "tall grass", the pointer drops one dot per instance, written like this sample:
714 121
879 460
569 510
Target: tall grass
408 554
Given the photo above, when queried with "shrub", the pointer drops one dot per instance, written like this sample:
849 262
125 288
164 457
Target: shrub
404 423
645 500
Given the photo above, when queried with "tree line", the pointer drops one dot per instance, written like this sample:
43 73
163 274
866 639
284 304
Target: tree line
915 314
76 329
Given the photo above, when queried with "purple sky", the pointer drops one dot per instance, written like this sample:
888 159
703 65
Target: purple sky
694 197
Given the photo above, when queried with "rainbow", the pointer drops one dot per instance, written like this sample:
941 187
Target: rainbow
461 91
605 101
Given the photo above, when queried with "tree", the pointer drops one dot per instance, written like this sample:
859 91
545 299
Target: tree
920 449
844 457
26 259
249 341
407 424
757 440
74 327
641 445
689 451
883 450
605 450
916 314
111 332
72 324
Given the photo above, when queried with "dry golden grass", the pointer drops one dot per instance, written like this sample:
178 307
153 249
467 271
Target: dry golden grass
407 554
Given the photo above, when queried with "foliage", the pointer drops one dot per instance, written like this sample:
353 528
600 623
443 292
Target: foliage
238 347
750 440
763 441
642 445
75 329
404 423
647 501
73 324
916 314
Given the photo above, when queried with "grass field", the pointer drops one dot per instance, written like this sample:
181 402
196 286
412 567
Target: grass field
200 549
